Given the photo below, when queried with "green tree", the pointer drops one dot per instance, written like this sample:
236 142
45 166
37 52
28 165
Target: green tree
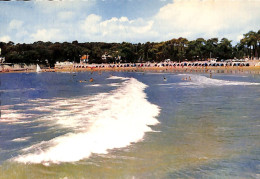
211 48
224 50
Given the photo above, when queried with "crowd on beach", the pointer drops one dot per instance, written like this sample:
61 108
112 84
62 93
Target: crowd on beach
181 66
162 65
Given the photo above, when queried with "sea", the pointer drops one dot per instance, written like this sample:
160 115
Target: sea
129 125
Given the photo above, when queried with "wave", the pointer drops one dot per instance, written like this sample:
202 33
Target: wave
203 81
114 84
117 78
99 123
94 85
21 139
10 116
17 90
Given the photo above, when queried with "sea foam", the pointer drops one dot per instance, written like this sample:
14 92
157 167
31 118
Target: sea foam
99 123
198 81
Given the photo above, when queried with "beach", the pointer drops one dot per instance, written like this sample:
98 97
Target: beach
209 69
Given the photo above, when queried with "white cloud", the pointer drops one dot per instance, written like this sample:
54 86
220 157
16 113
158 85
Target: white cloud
5 38
208 18
116 29
47 35
67 20
15 24
181 18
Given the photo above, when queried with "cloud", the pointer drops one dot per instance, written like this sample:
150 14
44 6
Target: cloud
116 29
15 24
208 18
5 38
181 18
47 35
70 20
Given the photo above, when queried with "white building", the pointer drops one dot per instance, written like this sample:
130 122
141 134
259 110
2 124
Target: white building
106 57
65 64
2 59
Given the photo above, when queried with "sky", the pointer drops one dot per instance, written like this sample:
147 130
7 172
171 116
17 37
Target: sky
126 20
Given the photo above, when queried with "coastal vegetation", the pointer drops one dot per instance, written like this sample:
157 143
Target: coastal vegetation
179 49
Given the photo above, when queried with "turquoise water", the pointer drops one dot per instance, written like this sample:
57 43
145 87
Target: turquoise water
129 125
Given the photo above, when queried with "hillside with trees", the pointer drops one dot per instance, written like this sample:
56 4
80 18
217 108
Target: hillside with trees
175 49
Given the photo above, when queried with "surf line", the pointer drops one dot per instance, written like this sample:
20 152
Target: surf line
114 120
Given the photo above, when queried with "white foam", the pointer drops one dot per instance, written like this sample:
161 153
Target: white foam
94 85
13 116
117 78
43 109
101 122
22 139
203 81
114 84
2 107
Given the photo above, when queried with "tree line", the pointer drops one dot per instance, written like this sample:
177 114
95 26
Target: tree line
179 49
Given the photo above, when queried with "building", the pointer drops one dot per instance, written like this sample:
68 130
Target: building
84 59
212 60
106 57
65 64
2 59
167 60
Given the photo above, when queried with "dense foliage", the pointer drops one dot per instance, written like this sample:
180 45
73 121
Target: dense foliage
176 49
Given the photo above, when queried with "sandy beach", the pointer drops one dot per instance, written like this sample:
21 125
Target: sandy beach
211 69
253 70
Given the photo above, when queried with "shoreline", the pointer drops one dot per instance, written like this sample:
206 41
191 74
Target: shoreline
242 70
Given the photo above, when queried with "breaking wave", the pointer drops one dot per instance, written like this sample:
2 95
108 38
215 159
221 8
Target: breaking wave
98 123
203 81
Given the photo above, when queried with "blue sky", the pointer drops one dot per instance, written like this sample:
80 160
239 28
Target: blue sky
126 20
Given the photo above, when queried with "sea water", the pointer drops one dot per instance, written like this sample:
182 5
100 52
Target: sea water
129 125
